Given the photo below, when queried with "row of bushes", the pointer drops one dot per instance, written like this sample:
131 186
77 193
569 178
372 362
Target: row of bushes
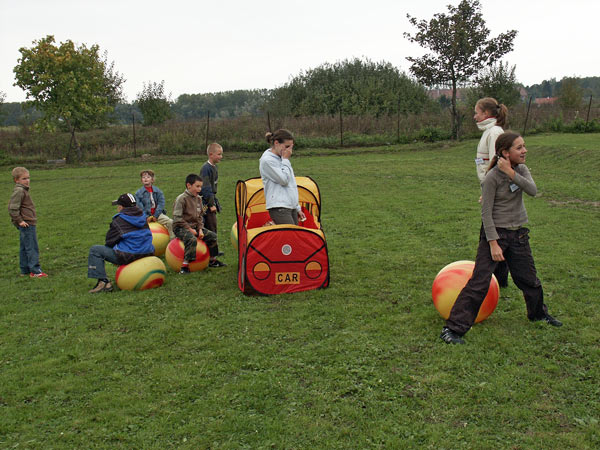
246 134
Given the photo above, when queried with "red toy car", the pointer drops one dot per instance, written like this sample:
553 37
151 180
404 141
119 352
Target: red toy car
274 259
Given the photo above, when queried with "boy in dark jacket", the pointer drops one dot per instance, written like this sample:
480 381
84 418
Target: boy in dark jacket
128 238
210 179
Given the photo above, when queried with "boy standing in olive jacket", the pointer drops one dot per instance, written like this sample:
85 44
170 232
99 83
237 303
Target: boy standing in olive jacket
22 215
188 224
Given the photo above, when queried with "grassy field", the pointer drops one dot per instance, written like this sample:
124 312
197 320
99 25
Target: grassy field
196 364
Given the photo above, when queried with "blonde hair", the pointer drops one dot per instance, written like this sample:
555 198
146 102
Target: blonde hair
148 171
18 171
494 109
213 148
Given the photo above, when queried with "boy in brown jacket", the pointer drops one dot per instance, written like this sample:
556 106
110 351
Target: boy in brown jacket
188 224
22 215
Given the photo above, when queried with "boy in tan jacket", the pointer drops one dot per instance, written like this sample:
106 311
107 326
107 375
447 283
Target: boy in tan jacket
23 216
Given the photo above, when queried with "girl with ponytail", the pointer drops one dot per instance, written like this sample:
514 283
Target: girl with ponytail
279 182
491 118
502 238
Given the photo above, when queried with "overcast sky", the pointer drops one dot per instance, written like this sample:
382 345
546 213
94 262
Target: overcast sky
209 46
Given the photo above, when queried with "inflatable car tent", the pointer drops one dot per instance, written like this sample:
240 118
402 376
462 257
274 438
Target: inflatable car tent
277 259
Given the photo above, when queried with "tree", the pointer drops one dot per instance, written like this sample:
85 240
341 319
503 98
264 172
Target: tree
497 81
570 94
460 47
154 103
2 98
74 87
355 86
126 114
220 104
547 88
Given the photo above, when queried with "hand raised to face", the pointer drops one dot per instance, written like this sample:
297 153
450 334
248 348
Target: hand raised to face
284 149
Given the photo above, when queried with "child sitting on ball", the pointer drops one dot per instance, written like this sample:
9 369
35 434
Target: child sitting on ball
152 201
129 238
188 224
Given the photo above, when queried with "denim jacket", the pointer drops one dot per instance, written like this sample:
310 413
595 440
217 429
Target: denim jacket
142 199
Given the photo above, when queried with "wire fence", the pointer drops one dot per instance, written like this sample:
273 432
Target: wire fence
246 133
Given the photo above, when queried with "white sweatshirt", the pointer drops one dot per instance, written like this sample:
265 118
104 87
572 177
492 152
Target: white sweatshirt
486 149
281 190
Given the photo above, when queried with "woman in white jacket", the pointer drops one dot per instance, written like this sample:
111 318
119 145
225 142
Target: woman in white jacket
491 118
279 182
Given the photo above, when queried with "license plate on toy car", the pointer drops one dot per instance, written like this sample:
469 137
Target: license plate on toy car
287 278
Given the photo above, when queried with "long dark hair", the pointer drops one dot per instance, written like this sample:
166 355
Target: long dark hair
279 136
504 142
494 109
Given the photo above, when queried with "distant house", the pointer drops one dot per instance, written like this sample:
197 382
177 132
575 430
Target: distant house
435 94
546 101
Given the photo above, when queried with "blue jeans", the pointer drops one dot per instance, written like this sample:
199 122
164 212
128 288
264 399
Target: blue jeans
99 254
29 253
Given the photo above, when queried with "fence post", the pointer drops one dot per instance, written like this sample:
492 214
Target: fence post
68 157
587 119
269 121
527 116
207 127
341 129
398 125
133 123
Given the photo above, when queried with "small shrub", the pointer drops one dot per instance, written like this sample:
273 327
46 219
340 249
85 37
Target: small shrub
580 126
432 134
555 124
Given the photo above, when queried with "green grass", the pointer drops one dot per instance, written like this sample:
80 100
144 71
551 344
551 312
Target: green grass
196 364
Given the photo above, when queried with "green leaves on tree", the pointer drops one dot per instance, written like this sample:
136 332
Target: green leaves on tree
73 86
354 86
154 103
459 46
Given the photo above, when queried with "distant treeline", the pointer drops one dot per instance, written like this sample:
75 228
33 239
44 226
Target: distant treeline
187 107
355 86
551 88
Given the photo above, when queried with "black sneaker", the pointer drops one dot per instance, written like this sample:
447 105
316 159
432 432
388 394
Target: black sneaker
216 263
184 270
549 320
450 337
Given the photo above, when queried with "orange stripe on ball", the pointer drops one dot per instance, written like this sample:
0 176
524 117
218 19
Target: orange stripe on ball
450 281
141 274
175 254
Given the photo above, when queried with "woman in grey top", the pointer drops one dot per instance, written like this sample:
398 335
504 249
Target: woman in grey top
502 238
279 181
